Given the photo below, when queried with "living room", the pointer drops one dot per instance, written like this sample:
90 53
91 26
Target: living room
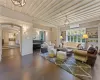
75 42
59 40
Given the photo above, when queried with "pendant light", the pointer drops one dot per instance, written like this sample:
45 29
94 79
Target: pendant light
19 3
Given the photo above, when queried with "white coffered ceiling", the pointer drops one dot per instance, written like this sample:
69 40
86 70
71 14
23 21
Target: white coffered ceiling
54 11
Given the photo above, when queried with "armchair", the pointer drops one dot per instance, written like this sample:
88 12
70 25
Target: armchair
84 56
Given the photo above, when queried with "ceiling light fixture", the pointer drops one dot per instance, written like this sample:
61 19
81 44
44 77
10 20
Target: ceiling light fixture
19 3
66 23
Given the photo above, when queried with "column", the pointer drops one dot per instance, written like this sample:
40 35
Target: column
58 36
0 42
20 39
99 37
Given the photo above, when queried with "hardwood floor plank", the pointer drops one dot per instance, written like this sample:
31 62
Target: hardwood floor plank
30 67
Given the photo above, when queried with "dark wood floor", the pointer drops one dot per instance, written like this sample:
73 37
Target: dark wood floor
30 67
96 69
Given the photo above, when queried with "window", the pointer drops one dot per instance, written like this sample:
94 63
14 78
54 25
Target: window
68 38
72 38
79 38
75 35
83 40
75 38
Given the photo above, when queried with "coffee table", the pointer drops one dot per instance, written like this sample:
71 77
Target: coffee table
69 52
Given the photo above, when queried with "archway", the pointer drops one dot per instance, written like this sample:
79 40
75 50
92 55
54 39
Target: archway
12 39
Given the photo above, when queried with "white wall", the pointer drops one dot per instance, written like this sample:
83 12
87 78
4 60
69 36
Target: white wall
55 36
9 16
26 45
28 34
18 38
48 35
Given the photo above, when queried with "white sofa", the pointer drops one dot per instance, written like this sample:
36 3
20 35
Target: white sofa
47 45
70 45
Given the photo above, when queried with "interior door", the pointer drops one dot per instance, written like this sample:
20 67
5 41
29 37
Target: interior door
0 42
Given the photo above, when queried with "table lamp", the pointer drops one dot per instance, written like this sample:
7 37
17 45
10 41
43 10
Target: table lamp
61 37
85 36
61 45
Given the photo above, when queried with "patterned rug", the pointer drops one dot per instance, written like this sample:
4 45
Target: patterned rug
76 68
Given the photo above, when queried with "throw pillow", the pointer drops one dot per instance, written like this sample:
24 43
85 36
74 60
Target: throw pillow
91 50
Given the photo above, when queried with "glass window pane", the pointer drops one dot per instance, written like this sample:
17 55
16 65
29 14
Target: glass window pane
83 40
79 38
71 38
68 38
75 35
75 38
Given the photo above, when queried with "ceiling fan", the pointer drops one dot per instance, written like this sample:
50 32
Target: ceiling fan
19 3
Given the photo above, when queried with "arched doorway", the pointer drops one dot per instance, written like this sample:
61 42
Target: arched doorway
11 40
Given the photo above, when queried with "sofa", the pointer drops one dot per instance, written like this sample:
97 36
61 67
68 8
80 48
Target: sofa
70 45
84 56
46 46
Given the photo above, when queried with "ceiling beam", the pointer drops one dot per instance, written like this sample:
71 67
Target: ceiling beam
82 8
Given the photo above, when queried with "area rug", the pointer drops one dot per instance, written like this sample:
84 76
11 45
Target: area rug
76 68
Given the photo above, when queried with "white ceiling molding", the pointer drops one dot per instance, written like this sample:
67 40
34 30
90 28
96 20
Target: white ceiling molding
15 15
90 24
16 22
6 12
74 26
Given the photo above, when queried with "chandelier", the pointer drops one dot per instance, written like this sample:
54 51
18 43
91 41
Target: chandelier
19 2
66 23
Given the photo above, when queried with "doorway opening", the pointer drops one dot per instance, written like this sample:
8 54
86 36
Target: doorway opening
11 41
